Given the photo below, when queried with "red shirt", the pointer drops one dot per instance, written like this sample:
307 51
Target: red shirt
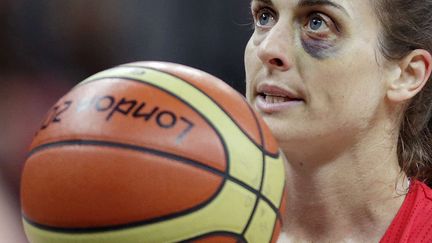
413 222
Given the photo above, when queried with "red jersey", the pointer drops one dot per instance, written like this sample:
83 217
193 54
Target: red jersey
413 222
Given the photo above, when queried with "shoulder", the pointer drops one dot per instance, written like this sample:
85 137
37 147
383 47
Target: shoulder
413 221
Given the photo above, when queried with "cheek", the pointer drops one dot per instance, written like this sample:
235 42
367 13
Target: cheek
346 86
250 56
250 62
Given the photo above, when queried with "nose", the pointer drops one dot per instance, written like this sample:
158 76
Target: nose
274 50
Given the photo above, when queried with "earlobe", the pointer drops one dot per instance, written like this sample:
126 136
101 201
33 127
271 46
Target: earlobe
415 71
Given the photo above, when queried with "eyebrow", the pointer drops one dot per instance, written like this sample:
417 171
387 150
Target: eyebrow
303 3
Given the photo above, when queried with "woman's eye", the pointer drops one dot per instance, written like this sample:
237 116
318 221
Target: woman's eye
316 23
264 18
319 34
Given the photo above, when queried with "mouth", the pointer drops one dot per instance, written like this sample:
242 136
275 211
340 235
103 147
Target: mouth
272 98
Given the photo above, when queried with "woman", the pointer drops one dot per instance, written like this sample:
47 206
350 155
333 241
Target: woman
344 87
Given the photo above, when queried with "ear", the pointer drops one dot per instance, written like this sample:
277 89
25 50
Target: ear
415 70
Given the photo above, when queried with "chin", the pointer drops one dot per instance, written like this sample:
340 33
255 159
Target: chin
281 129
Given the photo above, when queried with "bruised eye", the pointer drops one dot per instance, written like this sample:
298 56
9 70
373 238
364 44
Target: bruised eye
320 34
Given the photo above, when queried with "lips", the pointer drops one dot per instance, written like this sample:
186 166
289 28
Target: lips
271 98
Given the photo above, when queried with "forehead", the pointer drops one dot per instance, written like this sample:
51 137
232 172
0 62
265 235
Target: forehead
351 7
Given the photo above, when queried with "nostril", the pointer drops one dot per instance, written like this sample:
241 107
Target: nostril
276 61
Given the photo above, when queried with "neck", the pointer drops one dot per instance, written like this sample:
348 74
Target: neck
352 196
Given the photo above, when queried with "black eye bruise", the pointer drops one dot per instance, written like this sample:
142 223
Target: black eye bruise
316 48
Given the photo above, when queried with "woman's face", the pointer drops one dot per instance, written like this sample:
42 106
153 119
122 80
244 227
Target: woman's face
314 70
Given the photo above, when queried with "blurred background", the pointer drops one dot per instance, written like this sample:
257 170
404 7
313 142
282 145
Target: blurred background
48 46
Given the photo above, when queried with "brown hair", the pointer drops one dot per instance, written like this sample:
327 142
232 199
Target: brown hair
407 25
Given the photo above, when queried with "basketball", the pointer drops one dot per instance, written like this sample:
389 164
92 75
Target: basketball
152 152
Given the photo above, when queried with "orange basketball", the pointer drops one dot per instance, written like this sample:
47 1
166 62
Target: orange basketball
152 152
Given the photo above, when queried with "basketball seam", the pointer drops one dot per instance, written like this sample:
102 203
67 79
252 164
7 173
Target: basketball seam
262 178
278 214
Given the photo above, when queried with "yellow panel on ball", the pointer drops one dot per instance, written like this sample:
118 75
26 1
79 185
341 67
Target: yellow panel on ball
263 222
